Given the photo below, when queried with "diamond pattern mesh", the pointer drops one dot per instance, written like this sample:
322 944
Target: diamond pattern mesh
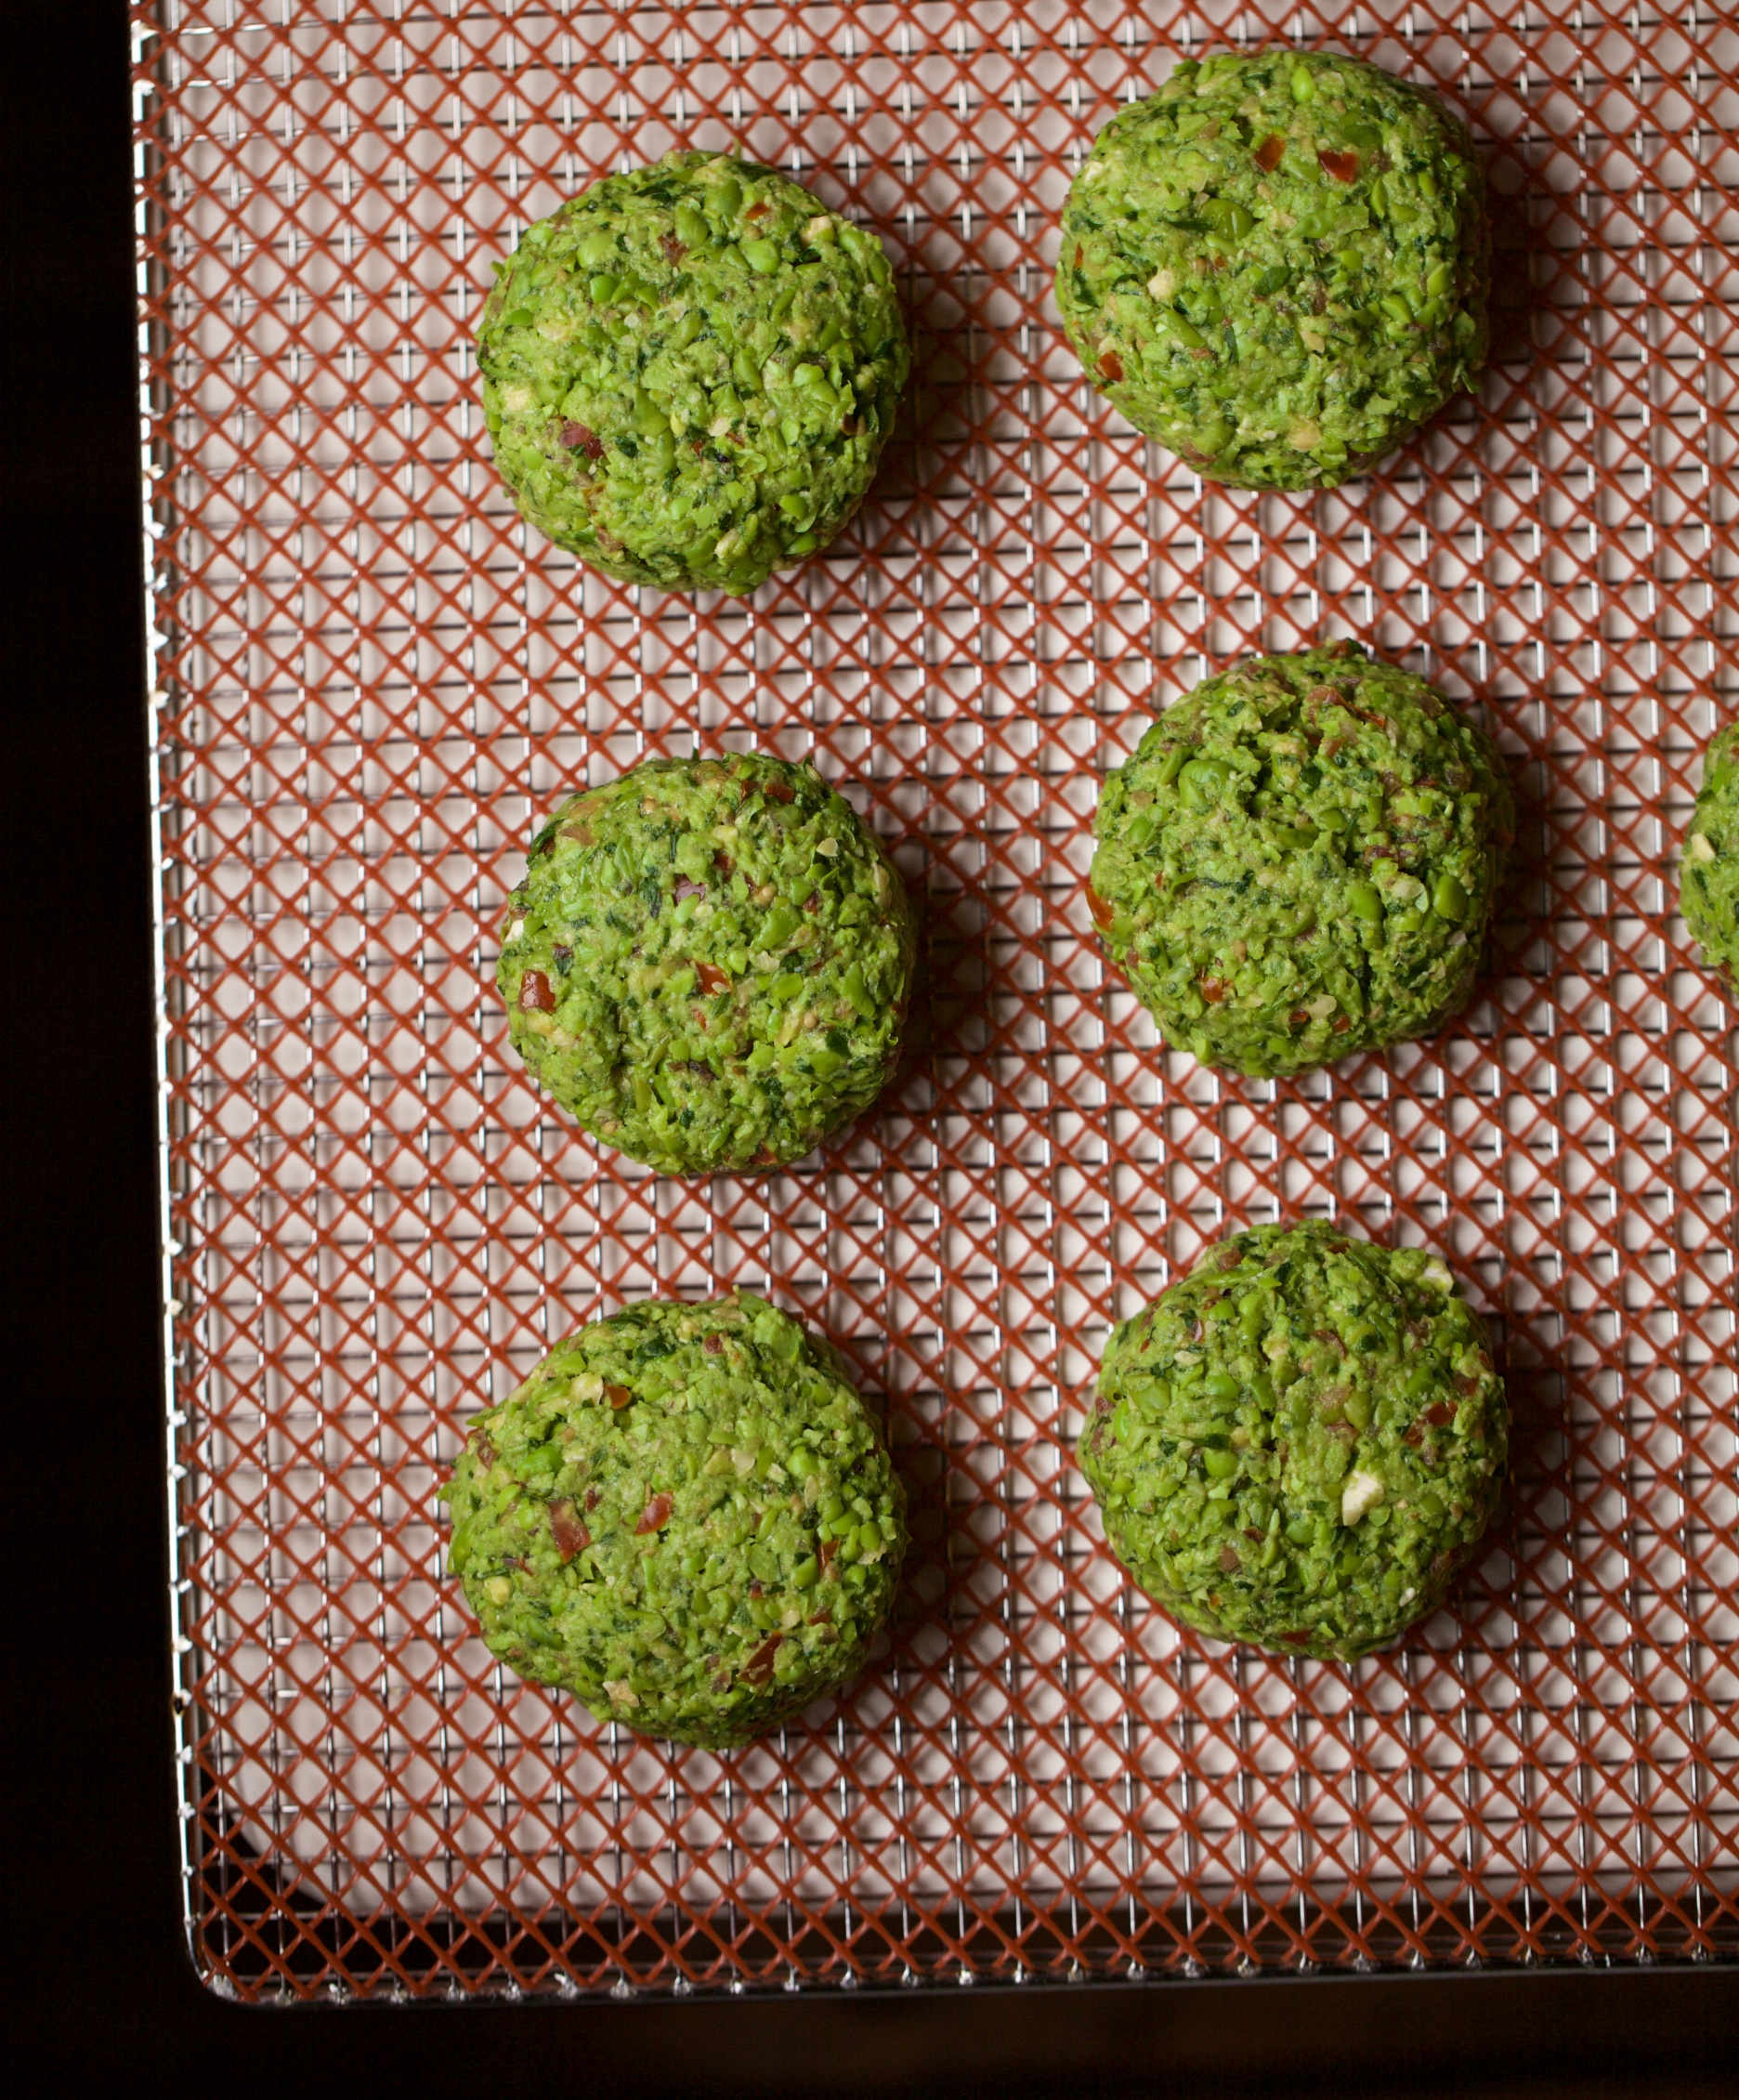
371 680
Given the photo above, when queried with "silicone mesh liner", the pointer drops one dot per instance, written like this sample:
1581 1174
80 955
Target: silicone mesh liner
371 680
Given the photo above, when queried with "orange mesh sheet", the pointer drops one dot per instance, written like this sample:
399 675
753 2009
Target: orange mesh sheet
371 680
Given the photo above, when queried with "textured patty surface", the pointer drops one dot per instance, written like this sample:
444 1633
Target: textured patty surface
1300 1442
689 372
1299 859
686 1516
1709 878
1277 266
708 962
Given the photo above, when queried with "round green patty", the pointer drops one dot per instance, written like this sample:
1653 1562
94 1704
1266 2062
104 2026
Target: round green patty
708 962
686 1516
1277 266
1708 880
689 372
1300 1442
1299 860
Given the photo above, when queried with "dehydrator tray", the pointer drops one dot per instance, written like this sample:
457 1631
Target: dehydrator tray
370 679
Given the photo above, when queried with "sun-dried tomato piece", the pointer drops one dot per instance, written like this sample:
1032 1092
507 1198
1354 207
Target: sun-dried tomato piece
579 439
1268 153
779 791
1102 912
714 1345
1342 166
618 1396
674 249
711 978
1213 989
1297 1016
485 1452
759 1667
1298 1638
1110 366
1441 1416
654 1516
1229 1561
571 1535
593 1498
535 996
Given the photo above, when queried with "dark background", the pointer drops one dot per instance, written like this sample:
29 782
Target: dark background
95 1963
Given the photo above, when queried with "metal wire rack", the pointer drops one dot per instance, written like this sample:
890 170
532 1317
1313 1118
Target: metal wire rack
371 678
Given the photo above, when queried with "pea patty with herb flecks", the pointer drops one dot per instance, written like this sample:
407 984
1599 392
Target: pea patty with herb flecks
1278 265
689 372
1708 875
1300 1442
1299 860
708 962
686 1516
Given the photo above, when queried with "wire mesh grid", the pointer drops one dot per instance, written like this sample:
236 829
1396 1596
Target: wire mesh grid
372 679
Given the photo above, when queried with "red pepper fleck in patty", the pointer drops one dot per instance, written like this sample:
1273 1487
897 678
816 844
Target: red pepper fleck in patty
1102 912
714 1345
579 439
535 996
1110 366
1268 153
711 978
618 1396
1213 989
571 1536
779 791
654 1516
1341 165
759 1667
1441 1416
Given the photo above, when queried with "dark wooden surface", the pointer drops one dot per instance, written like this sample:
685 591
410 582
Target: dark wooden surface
96 1967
